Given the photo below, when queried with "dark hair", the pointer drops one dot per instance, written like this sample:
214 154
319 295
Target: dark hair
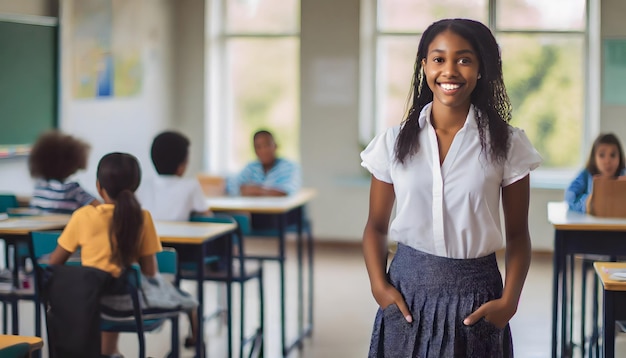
57 156
605 138
489 96
119 175
262 132
169 150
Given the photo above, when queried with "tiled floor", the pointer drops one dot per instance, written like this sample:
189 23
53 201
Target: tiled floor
344 310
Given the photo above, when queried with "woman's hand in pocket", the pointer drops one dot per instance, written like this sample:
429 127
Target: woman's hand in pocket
386 295
496 312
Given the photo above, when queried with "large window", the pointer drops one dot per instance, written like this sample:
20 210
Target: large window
253 55
542 44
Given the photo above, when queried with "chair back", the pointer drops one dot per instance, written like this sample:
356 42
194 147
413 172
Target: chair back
43 243
7 201
237 240
167 261
223 219
212 185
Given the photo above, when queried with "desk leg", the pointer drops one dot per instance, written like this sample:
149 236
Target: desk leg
595 334
555 290
300 280
229 295
200 338
5 320
570 305
309 234
583 298
14 316
282 224
563 273
16 284
608 323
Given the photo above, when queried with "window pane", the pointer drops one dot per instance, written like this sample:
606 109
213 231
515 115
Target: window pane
416 15
396 59
541 14
263 85
264 16
544 76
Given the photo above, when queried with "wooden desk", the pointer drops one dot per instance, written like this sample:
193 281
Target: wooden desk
22 226
196 235
261 204
577 233
614 293
281 208
17 230
35 343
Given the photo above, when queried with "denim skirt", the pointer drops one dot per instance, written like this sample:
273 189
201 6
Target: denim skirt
440 293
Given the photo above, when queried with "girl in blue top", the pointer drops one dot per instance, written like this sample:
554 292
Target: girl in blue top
606 160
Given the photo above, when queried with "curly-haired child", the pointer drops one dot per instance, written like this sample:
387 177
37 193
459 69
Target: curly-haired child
53 159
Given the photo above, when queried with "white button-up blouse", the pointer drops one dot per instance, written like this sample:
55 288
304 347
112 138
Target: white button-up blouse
452 210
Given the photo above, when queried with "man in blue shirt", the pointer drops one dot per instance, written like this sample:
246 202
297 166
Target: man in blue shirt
269 175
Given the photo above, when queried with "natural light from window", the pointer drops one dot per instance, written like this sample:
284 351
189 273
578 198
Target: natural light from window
258 44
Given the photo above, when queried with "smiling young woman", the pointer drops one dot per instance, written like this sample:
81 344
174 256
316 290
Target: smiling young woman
448 166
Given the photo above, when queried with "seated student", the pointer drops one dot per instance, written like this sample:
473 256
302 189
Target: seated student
53 159
169 196
269 175
606 160
116 234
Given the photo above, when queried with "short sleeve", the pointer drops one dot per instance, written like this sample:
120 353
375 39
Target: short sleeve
378 155
295 182
81 196
233 184
197 196
522 158
150 242
285 177
69 239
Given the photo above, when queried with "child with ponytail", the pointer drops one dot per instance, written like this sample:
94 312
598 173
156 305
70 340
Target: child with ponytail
114 235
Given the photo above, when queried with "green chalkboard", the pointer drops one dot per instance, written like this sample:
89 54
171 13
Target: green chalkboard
28 81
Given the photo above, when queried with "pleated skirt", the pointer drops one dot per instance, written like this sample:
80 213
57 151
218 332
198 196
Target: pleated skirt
440 293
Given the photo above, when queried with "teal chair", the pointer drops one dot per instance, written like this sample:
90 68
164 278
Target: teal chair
20 350
7 201
139 321
242 272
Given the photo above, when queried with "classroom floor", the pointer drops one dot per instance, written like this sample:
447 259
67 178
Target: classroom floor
344 310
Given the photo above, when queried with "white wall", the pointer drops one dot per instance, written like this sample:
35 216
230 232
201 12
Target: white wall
124 124
189 75
613 26
329 131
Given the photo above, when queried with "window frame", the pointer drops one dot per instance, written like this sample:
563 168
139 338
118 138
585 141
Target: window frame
219 119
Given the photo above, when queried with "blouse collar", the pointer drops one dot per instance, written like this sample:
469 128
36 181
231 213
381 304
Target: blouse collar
470 120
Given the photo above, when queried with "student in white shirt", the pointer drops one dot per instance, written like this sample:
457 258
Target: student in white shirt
171 197
446 167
